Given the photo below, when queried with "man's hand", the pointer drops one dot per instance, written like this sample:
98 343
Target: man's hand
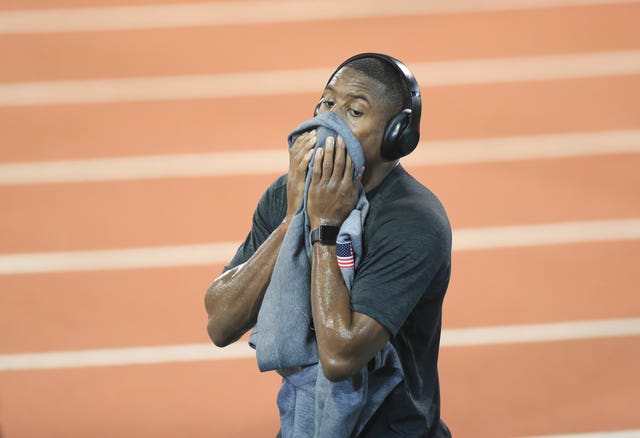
333 192
299 157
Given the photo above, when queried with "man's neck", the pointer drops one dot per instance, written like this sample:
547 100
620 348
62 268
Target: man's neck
372 180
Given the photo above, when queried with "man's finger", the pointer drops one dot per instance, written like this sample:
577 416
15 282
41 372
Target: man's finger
327 161
304 154
305 143
299 142
339 160
300 139
347 176
317 166
303 163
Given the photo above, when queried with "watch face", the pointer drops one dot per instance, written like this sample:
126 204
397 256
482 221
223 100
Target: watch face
328 233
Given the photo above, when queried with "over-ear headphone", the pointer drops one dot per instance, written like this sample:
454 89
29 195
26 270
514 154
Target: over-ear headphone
402 132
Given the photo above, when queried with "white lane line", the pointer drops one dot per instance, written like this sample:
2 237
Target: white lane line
559 331
516 148
635 433
220 253
125 258
474 336
430 153
545 234
268 83
147 167
124 356
251 12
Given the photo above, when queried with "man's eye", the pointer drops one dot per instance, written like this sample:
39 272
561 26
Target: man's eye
329 103
355 112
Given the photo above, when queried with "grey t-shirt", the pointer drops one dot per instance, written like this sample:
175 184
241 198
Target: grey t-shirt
401 283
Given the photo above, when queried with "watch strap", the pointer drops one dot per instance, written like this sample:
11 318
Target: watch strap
325 234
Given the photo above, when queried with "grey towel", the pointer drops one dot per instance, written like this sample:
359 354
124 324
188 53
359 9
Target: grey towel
309 404
283 337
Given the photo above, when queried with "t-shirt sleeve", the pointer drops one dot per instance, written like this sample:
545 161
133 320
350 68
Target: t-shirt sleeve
268 215
405 260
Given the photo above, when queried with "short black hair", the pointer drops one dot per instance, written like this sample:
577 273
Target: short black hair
397 94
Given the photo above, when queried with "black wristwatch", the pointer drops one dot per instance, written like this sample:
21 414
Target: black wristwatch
325 234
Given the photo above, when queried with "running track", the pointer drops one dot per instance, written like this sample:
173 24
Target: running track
128 173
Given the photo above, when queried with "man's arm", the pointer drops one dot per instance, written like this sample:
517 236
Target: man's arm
347 340
233 299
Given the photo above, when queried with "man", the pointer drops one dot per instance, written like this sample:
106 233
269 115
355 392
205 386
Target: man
399 286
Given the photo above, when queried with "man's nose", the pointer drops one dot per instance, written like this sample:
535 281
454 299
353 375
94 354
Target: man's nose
339 110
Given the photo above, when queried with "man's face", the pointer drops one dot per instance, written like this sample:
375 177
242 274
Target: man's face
359 101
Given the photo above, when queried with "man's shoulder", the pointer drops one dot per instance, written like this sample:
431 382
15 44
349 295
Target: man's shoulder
406 204
279 185
275 192
272 205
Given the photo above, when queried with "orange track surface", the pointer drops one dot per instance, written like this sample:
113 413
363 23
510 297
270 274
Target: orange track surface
580 281
490 391
466 111
304 45
134 214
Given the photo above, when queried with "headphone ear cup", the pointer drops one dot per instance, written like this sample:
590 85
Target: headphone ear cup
394 139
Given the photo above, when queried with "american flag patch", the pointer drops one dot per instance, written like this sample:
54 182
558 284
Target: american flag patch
344 253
